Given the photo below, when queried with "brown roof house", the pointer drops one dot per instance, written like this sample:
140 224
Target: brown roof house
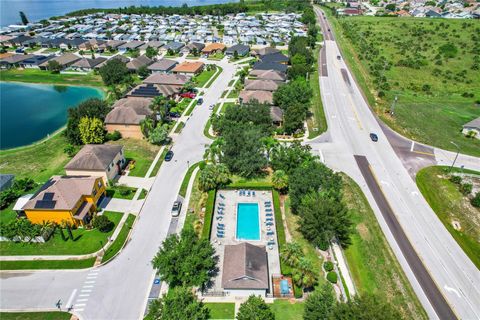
245 270
262 85
269 75
187 68
65 60
163 66
126 116
98 160
213 48
167 79
261 96
139 62
150 90
86 64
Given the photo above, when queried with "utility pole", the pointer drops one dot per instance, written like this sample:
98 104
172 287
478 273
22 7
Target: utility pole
456 156
394 103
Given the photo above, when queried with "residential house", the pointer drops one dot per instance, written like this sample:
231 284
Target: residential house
192 46
137 63
65 60
167 79
277 57
262 85
245 270
264 51
150 90
13 60
241 49
260 65
92 44
6 181
66 199
163 66
276 113
247 96
174 46
213 48
269 75
472 126
131 45
118 57
126 116
152 44
35 61
110 44
87 64
189 68
97 160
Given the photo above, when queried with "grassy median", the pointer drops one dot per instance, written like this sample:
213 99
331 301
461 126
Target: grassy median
52 315
119 242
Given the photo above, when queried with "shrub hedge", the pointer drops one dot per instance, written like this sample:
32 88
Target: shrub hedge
207 224
332 277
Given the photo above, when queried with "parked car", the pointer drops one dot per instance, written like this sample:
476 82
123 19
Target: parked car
189 95
211 107
374 137
169 155
200 100
339 57
177 207
174 114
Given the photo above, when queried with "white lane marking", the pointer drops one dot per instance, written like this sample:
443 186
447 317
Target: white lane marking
414 193
86 290
79 310
89 286
87 282
80 304
84 295
93 273
322 158
412 146
91 278
82 300
69 303
450 289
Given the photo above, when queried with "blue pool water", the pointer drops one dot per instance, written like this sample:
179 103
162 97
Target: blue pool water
248 222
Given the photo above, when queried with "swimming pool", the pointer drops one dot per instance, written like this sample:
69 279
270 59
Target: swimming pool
248 222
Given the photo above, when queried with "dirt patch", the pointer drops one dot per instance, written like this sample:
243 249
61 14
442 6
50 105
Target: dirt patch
456 225
363 231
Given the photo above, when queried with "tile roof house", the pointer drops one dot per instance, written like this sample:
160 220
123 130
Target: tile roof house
86 64
263 85
137 63
65 60
126 116
168 79
213 48
189 68
245 268
67 199
241 49
163 65
247 96
98 160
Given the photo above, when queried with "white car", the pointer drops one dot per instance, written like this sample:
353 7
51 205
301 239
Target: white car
177 206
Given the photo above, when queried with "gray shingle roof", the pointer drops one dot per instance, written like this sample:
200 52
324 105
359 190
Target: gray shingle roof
163 65
475 123
130 110
94 157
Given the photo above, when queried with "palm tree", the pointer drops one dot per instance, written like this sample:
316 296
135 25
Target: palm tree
291 253
214 152
269 143
280 180
305 274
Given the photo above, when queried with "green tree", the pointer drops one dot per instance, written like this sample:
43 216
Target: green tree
294 118
185 260
288 157
280 180
213 153
296 92
143 72
151 52
102 223
158 135
23 17
91 108
365 307
54 66
319 304
235 55
322 218
114 72
213 176
147 125
305 274
391 7
178 303
291 253
91 130
255 308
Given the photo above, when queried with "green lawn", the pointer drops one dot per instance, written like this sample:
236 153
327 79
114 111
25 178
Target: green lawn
430 108
159 162
120 240
190 110
38 161
449 204
186 179
207 221
216 56
259 182
86 241
221 310
47 264
52 315
214 77
143 194
141 151
318 120
372 263
287 310
179 127
203 77
43 76
121 192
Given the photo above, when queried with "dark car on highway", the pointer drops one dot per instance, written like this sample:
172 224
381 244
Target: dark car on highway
374 137
169 155
200 100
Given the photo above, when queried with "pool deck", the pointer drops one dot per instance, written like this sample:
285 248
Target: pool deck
232 198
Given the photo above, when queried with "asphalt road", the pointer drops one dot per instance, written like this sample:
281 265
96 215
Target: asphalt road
350 121
119 290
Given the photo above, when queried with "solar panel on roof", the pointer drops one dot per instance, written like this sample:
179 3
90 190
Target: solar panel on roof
45 204
48 196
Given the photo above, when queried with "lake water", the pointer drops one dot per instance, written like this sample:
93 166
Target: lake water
42 9
29 112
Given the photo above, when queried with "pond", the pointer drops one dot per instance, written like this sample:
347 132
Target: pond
30 112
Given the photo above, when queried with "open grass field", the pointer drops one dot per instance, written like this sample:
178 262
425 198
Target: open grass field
287 310
221 310
431 65
372 263
42 76
37 161
203 77
85 241
54 315
450 205
141 151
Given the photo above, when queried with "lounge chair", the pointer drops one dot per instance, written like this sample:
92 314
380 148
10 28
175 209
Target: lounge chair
268 205
269 223
220 227
268 210
268 202
221 224
253 193
221 204
271 243
248 193
269 219
220 231
269 214
270 247
219 235
222 196
219 218
270 233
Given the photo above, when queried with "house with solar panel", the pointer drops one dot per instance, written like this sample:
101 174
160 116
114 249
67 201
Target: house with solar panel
66 199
